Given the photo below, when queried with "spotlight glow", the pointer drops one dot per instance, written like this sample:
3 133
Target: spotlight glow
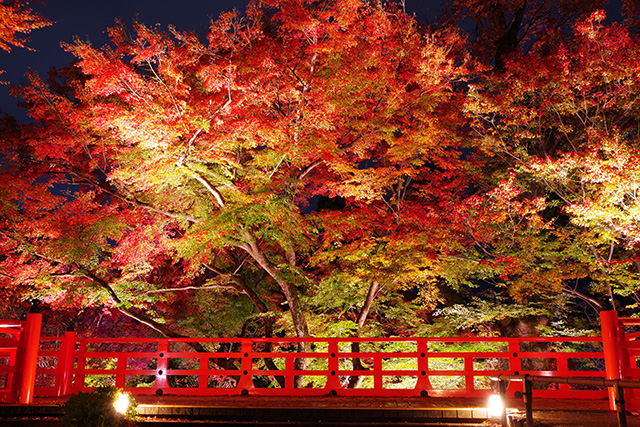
496 406
122 403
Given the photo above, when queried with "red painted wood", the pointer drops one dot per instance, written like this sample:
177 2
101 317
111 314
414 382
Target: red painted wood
456 366
10 331
629 358
27 358
99 358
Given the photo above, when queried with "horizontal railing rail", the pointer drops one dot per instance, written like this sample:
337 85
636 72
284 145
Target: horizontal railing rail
411 366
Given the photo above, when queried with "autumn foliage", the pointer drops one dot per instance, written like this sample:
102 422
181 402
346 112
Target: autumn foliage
325 168
18 20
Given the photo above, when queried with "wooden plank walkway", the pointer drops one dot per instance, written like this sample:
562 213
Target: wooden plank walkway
331 411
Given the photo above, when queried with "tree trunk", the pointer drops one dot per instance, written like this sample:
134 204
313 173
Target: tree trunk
291 294
508 42
242 287
288 289
268 325
356 380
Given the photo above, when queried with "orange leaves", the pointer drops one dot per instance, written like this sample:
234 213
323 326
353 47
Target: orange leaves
216 140
225 31
504 28
139 244
578 85
109 75
151 83
299 19
590 27
15 18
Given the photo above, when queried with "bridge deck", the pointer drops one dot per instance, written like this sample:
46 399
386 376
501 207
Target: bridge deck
346 410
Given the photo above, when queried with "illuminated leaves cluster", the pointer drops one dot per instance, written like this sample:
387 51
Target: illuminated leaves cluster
569 130
183 155
164 174
16 21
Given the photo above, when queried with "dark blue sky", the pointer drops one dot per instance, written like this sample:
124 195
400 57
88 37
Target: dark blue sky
88 19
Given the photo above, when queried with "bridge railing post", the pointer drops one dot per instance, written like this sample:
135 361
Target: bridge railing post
27 359
620 405
515 364
502 391
528 400
611 350
162 366
333 366
423 384
66 361
246 366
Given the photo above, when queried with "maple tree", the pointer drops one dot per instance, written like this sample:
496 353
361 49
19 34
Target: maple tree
161 167
504 27
568 133
173 179
631 12
15 19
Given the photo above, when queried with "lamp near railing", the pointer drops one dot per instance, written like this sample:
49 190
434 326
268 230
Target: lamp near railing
122 403
495 408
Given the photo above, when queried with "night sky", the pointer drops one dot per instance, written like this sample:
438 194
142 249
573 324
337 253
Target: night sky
90 19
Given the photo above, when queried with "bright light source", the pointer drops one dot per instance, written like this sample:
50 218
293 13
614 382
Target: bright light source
122 403
496 406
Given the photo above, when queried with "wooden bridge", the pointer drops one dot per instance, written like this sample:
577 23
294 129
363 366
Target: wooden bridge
33 366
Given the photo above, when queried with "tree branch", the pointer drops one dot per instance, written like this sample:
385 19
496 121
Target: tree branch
309 168
131 200
595 304
364 311
206 184
188 288
6 275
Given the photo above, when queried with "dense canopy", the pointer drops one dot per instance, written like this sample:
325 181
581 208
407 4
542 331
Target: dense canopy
330 168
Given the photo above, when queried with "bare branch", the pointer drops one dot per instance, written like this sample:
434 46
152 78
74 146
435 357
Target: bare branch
595 304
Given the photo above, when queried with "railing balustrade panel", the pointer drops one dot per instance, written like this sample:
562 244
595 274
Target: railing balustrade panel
382 367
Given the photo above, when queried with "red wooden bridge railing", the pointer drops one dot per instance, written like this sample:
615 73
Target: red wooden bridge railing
394 366
417 366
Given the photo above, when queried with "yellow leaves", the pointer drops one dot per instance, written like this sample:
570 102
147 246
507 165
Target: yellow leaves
437 66
613 221
363 184
505 192
601 185
348 100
